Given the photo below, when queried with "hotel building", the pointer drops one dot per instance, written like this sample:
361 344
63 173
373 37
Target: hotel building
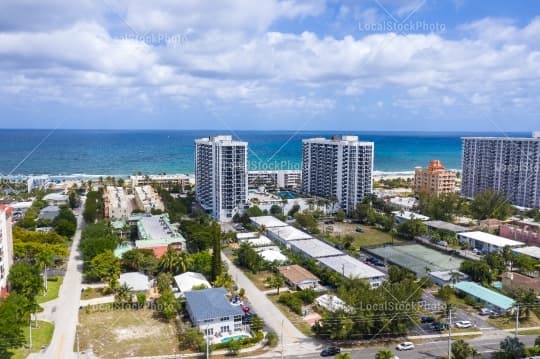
6 247
507 165
434 179
221 176
340 167
290 179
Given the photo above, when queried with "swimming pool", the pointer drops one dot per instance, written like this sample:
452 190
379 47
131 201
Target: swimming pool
287 194
236 337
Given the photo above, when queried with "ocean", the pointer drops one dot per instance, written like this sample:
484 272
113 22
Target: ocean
126 152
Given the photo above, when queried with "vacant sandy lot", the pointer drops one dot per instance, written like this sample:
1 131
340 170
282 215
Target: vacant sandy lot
126 333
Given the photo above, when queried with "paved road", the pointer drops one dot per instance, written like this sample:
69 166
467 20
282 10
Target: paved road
65 309
295 342
428 350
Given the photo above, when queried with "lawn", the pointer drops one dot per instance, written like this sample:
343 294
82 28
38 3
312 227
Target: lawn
91 293
53 287
295 319
509 321
41 336
258 279
369 237
120 333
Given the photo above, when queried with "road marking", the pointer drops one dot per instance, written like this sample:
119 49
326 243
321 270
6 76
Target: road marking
60 346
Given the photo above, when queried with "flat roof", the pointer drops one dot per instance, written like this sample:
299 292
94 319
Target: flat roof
261 241
410 215
186 281
531 251
135 280
316 248
267 221
289 233
210 304
491 239
446 225
350 267
272 255
485 294
158 227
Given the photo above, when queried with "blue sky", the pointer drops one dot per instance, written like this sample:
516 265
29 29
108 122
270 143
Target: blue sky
446 65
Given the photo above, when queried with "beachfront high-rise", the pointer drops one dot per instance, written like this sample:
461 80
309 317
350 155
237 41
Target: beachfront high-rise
507 165
340 167
434 179
6 247
221 175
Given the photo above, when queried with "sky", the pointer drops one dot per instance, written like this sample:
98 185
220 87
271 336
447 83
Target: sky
429 65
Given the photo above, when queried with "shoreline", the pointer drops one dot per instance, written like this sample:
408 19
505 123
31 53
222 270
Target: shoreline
377 175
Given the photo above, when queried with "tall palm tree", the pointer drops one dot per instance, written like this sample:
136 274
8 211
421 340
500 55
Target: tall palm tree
171 262
454 277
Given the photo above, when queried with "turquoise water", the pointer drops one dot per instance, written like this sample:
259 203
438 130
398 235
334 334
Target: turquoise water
124 152
236 337
287 195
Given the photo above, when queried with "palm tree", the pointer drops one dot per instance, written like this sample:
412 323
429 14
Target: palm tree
462 350
455 277
123 294
508 256
171 262
513 348
384 354
224 280
343 356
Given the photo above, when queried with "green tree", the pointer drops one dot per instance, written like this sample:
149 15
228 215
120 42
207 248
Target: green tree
478 271
384 354
96 239
25 279
141 300
224 280
216 250
340 215
411 229
462 350
164 281
294 209
12 312
106 267
490 204
234 347
343 356
275 281
173 262
513 348
272 339
123 294
167 304
191 339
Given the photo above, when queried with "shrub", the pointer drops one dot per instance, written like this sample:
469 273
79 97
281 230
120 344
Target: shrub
294 303
272 338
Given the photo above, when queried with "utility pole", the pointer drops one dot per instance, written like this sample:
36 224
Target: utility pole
517 321
449 333
207 345
282 343
30 332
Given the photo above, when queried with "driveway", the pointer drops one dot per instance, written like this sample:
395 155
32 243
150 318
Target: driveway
294 342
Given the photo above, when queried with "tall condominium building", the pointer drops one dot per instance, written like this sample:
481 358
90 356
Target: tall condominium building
507 165
221 175
340 167
434 179
6 247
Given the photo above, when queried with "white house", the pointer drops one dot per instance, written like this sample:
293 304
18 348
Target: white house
138 282
186 281
211 312
56 199
487 243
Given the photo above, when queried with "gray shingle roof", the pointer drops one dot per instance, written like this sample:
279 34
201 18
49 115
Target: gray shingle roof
209 304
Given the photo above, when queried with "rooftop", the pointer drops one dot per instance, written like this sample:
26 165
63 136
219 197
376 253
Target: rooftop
186 281
135 280
297 274
288 233
59 197
158 228
210 303
491 239
410 215
316 248
272 255
447 226
531 251
350 267
485 294
267 222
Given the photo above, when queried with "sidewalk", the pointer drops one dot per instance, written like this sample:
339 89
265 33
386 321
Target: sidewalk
96 301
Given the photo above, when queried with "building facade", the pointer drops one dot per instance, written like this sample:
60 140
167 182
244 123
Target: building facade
507 165
434 179
221 176
340 168
289 179
6 248
169 182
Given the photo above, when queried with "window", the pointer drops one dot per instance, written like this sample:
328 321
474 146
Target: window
209 331
224 319
225 329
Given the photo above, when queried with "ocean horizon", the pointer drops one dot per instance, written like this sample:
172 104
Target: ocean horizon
125 152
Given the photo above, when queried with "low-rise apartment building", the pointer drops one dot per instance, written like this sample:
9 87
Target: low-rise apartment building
147 199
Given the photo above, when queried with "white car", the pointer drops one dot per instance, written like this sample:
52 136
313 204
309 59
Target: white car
405 346
463 324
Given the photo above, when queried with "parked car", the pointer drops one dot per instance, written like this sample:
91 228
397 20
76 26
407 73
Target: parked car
330 351
476 251
439 327
485 311
405 346
427 319
463 324
359 229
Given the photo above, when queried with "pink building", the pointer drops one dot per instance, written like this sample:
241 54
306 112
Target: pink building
523 231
